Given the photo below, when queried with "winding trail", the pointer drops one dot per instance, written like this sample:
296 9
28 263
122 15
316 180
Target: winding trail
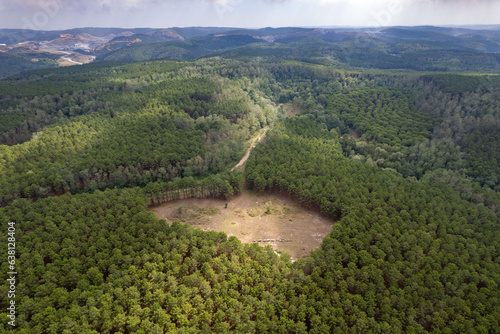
247 155
66 57
72 61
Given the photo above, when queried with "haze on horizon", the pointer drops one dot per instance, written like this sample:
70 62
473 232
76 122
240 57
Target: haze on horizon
65 14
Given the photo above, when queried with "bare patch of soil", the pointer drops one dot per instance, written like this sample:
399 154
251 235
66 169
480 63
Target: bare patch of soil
268 219
73 58
291 109
353 134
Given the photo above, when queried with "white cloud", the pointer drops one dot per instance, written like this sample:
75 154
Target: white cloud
137 4
246 13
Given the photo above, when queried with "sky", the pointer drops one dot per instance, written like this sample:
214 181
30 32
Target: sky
65 14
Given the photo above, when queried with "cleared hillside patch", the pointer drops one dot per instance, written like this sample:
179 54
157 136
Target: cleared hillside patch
264 218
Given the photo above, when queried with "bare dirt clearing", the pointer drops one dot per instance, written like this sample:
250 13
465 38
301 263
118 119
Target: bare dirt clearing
291 109
73 58
268 219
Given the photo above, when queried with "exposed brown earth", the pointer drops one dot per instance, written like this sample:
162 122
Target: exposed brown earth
273 219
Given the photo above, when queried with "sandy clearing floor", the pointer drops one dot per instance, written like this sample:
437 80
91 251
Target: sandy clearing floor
252 217
74 58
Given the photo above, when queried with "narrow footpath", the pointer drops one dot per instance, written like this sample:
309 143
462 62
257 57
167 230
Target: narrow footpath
243 161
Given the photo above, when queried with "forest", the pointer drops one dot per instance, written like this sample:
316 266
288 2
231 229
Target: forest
420 48
404 163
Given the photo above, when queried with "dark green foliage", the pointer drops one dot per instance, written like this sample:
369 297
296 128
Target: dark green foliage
408 48
91 76
12 64
459 84
153 123
274 51
357 50
482 152
470 108
121 42
102 263
114 152
462 116
403 255
434 59
223 186
186 50
382 115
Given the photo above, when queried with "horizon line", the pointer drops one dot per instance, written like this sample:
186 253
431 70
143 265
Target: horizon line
470 26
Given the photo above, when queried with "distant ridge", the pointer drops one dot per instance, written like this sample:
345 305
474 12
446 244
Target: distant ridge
430 48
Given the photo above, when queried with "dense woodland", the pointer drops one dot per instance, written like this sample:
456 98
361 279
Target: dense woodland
381 115
12 64
405 163
143 130
396 239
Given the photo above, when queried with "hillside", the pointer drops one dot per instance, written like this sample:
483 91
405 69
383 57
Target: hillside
190 50
12 64
421 48
401 165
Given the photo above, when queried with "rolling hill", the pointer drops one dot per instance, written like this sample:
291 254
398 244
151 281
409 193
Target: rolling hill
380 131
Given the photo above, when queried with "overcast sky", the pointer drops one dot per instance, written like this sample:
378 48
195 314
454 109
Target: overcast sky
62 14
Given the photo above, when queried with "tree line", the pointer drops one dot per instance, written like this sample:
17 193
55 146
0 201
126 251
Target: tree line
218 186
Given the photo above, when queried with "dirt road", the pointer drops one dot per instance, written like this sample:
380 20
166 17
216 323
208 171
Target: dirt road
264 218
66 57
249 151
